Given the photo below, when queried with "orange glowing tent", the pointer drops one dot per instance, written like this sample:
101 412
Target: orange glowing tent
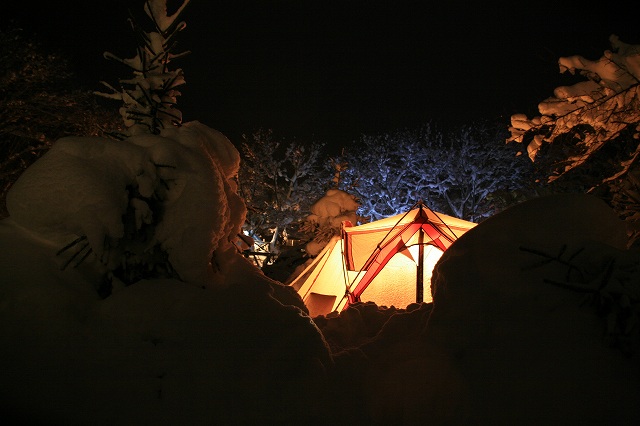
388 262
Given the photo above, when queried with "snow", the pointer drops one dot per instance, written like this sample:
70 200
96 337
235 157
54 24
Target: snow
335 207
602 103
162 350
82 187
510 338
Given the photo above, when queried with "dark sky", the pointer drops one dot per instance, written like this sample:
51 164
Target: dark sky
333 70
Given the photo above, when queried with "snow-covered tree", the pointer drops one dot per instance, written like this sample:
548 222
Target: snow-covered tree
589 114
149 97
587 136
279 182
40 103
388 172
130 211
462 173
480 173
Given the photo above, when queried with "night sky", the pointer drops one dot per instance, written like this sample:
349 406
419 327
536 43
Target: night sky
330 71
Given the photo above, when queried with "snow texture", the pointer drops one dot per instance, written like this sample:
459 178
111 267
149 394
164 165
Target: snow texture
335 207
84 186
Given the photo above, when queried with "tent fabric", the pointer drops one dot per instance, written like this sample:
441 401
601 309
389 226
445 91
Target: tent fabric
362 240
377 261
326 275
417 227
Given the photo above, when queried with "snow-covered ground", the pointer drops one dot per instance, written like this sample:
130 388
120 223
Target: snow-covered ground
534 319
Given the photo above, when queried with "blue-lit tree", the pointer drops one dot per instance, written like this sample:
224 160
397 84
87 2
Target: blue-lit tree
386 172
481 176
279 181
468 173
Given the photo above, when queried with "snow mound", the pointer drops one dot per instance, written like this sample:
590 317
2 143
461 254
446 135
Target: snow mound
157 352
503 343
529 312
146 200
534 319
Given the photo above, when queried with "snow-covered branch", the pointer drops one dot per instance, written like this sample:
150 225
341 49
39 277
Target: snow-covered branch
590 113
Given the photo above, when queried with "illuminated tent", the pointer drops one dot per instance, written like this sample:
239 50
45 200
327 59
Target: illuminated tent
387 262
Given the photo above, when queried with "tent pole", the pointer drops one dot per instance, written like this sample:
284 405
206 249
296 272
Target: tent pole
420 274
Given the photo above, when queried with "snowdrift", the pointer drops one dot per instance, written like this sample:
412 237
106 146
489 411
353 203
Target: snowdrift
534 318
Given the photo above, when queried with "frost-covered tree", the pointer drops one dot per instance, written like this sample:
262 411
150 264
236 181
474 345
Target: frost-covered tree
463 173
587 136
149 97
279 182
388 172
482 175
40 103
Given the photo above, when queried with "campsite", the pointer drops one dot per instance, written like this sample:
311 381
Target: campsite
439 284
388 262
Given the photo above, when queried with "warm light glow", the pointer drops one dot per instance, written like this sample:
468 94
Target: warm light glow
414 252
431 256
